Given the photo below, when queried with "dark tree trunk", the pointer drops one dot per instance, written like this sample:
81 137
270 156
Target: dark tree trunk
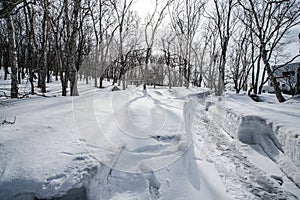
297 89
64 83
277 89
86 79
95 78
43 81
44 67
1 56
101 82
13 56
19 75
6 63
24 69
262 82
72 28
31 77
255 85
73 83
48 76
31 57
147 59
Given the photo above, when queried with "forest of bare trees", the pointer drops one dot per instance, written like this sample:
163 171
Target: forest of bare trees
216 44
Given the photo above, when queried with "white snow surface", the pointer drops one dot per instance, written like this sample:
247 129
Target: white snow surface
267 134
159 144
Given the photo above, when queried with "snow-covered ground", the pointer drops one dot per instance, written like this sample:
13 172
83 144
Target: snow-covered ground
161 144
264 137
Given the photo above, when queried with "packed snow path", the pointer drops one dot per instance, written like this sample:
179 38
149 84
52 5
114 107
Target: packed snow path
159 144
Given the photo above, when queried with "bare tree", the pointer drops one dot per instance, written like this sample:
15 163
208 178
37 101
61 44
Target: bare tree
102 23
12 53
72 44
57 23
240 60
152 24
166 42
44 44
210 52
222 18
272 21
4 48
127 35
31 60
185 17
297 88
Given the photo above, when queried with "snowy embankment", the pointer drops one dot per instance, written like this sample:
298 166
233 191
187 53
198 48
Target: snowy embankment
273 127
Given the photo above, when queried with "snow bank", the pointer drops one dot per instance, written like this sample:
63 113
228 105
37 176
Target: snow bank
257 124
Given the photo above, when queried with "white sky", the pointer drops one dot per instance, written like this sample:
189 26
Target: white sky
143 7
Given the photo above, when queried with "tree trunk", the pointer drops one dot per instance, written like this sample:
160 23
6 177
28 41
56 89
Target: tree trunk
95 79
86 76
187 84
221 79
64 82
48 76
145 79
6 63
170 78
73 83
256 77
72 32
1 57
277 89
19 73
101 81
43 81
260 88
31 76
13 56
297 89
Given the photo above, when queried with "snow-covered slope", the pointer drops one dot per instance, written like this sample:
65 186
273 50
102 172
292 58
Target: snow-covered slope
270 130
159 144
104 145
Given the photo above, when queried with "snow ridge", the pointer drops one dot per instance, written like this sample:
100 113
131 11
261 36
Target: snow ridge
271 137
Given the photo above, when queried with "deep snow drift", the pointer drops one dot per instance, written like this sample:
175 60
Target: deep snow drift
159 144
269 130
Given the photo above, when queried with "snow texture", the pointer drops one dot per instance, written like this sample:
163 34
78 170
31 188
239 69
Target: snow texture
273 127
161 144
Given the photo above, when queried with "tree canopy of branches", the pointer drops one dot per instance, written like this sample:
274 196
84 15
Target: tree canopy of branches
223 45
271 21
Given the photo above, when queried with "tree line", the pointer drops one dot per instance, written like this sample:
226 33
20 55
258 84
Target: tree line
207 43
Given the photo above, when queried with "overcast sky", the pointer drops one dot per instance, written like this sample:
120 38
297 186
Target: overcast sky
143 7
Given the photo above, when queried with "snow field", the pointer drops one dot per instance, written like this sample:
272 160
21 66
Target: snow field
103 145
159 144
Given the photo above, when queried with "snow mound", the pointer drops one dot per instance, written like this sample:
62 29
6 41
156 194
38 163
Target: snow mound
260 124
